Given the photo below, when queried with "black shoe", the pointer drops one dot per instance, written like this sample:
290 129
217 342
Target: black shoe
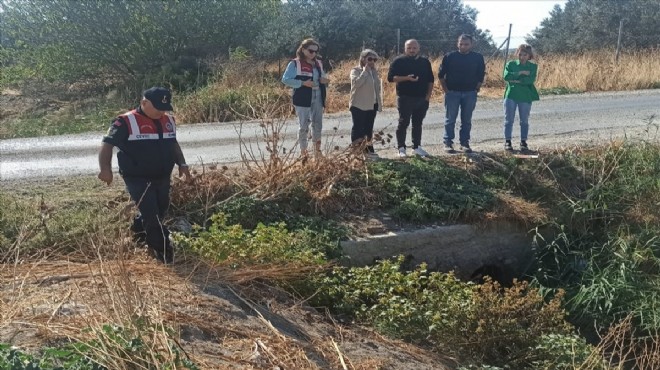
140 238
164 255
523 146
466 148
507 146
139 235
449 148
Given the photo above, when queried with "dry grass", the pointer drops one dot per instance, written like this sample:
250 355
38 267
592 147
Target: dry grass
270 170
594 71
237 86
622 348
216 323
517 209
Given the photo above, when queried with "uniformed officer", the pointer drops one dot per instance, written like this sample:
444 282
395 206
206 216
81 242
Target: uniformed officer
148 151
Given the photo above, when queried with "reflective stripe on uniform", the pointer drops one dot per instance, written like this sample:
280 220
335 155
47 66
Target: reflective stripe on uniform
134 132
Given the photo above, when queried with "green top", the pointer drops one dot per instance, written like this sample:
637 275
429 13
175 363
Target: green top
520 88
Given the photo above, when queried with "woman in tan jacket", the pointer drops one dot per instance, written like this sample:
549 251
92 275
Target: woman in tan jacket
365 100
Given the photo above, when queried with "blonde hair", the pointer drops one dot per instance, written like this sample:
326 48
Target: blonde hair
364 54
304 45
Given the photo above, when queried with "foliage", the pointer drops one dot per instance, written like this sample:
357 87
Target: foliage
127 38
169 42
137 345
51 359
604 250
344 27
263 245
59 123
593 24
505 325
249 212
216 103
562 351
113 344
421 190
484 324
34 226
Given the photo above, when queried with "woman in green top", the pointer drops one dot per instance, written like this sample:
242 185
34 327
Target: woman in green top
520 93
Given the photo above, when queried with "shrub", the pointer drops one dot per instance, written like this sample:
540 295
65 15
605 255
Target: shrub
481 324
604 249
263 245
420 190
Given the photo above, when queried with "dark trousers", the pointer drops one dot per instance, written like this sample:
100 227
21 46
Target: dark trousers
363 125
410 107
152 198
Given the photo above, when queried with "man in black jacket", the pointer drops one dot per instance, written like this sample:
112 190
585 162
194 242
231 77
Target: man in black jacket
414 79
148 151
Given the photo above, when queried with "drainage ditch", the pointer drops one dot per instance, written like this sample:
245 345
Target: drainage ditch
500 250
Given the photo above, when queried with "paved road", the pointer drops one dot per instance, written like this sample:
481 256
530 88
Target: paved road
555 120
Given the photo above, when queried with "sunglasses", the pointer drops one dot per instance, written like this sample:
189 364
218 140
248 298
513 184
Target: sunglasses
313 51
370 59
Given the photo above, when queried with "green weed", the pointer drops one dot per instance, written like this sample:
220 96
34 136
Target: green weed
50 359
420 190
114 345
603 249
483 324
264 245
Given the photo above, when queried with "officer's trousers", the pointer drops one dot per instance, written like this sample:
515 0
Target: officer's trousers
152 197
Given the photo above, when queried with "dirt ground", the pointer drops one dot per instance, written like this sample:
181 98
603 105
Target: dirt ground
221 321
221 318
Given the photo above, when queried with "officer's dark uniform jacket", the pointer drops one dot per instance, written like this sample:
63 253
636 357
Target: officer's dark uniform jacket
146 145
302 96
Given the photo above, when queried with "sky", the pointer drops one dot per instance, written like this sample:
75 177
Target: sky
525 15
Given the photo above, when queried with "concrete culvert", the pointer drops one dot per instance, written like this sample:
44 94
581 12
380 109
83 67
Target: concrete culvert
501 250
497 273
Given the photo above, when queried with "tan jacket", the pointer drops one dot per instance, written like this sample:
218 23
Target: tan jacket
366 90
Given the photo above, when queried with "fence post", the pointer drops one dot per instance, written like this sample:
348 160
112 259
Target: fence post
618 42
506 52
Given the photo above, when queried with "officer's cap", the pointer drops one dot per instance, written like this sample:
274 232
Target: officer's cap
160 98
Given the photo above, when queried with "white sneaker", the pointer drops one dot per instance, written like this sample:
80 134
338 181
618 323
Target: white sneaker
402 153
420 152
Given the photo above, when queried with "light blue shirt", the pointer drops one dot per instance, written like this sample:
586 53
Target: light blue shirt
289 77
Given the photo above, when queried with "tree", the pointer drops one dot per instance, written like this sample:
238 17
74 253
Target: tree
593 24
343 27
129 38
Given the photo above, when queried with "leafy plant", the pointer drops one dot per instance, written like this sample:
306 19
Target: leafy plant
421 190
604 250
483 324
67 358
139 345
241 247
